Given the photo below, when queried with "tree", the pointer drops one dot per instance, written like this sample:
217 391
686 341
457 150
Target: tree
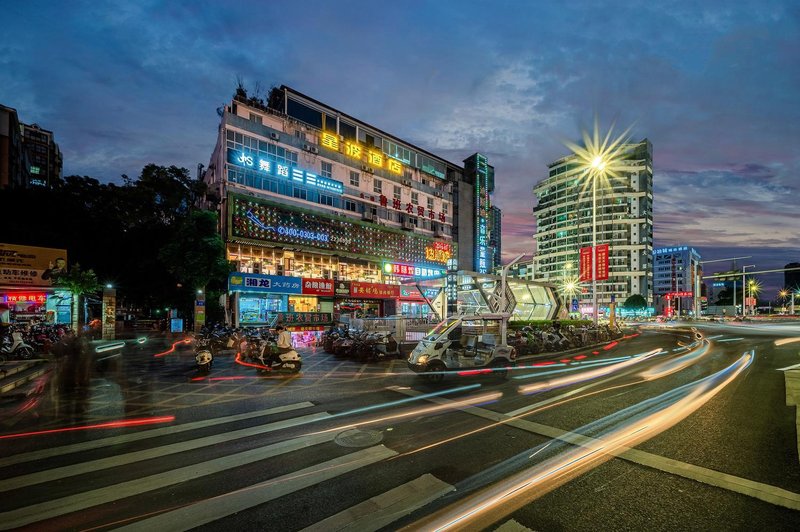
80 283
635 301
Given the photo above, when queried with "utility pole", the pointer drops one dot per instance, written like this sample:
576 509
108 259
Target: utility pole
697 282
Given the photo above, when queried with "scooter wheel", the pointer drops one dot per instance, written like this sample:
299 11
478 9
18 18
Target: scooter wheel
24 353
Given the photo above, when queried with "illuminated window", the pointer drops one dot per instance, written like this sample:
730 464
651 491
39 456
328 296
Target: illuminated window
377 186
354 179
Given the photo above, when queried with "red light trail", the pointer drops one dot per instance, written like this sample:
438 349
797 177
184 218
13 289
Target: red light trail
108 425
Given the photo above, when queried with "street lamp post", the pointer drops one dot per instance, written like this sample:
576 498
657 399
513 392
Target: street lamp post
598 165
744 289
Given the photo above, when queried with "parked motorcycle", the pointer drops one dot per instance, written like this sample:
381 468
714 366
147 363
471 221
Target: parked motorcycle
16 347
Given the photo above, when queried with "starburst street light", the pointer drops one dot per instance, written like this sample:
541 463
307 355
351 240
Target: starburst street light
599 158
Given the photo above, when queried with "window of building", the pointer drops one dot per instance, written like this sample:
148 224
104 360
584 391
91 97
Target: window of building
408 175
350 206
300 134
299 193
326 169
255 118
377 186
354 179
415 198
430 204
396 194
444 208
326 200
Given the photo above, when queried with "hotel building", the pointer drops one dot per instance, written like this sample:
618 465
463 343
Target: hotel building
624 221
324 214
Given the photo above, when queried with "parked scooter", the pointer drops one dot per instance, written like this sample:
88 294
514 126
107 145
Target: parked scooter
204 353
16 347
265 353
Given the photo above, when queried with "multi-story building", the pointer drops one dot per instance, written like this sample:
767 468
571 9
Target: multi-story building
624 222
29 155
324 214
13 159
676 279
524 268
44 156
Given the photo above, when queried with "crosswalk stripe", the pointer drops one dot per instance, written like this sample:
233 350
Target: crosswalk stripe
210 510
382 510
154 452
81 501
153 433
512 526
758 490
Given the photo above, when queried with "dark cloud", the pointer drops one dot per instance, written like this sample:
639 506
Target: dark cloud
713 85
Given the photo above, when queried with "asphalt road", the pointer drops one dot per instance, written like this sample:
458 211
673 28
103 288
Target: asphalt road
660 431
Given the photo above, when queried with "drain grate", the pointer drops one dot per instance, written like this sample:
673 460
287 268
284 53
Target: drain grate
359 438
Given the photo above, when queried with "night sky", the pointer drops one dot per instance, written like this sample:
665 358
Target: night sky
715 86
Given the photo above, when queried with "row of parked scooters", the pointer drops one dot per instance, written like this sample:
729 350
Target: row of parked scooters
23 342
256 347
363 346
530 341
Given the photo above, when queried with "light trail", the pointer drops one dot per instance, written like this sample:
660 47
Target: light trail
574 367
784 341
652 417
109 347
455 405
174 345
405 401
108 425
593 374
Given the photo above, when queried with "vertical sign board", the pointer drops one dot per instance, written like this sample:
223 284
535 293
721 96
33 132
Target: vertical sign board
602 262
585 265
482 212
109 314
199 312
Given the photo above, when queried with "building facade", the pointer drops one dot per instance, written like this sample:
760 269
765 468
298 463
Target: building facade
496 237
29 155
324 214
676 279
624 222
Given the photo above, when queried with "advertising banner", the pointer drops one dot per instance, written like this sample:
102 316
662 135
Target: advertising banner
342 288
256 282
602 262
586 264
318 287
374 290
29 265
411 292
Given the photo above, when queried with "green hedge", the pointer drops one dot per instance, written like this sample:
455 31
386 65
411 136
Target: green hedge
545 324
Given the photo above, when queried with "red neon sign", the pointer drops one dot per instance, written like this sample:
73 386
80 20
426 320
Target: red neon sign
25 297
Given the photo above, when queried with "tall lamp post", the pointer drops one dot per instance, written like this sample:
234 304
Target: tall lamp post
598 165
744 288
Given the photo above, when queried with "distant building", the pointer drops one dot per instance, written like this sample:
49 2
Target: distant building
29 155
792 279
525 268
624 221
676 275
44 156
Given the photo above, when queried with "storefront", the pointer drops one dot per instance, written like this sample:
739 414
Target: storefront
26 292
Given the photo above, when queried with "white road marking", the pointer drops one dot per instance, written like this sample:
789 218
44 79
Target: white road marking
145 434
87 499
209 510
384 509
82 468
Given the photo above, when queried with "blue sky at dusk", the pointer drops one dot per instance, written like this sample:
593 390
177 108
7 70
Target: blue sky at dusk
713 85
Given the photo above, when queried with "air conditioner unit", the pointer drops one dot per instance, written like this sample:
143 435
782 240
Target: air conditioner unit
406 182
369 215
368 169
274 136
437 194
407 225
309 147
439 231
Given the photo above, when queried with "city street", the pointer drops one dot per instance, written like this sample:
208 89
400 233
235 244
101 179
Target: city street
663 430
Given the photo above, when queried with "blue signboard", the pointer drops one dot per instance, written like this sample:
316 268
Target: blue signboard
283 171
256 282
574 305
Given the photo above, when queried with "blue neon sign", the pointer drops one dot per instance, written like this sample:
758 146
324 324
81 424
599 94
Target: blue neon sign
283 171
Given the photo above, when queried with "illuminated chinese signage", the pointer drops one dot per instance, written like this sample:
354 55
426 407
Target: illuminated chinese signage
27 297
586 260
263 220
602 262
670 250
373 158
407 270
283 171
255 282
482 213
374 290
678 294
318 287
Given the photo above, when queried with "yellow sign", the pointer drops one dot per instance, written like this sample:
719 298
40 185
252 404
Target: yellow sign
353 150
235 279
394 166
375 158
330 140
29 265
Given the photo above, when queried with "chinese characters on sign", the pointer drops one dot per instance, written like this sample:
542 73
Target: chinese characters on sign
585 264
408 270
318 287
255 282
602 262
332 141
36 297
284 171
482 212
374 290
304 317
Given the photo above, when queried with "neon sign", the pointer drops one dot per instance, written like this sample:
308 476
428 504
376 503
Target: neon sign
438 252
288 231
27 297
407 270
356 151
482 210
284 171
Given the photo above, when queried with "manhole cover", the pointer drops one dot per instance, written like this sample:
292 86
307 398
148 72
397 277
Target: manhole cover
359 438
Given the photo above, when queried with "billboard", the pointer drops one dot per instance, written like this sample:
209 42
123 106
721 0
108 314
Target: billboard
29 265
602 262
585 265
